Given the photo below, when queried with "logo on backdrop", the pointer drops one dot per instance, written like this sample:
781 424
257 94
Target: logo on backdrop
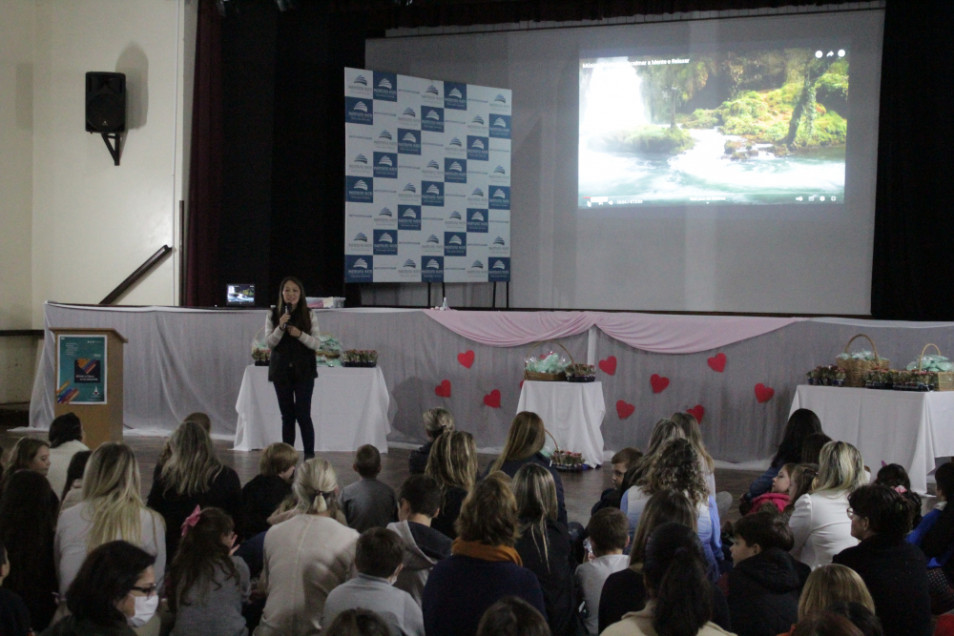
477 148
455 170
409 141
432 119
455 244
359 166
432 193
358 110
477 220
498 246
455 95
385 243
432 171
499 197
359 189
385 165
500 126
359 268
499 269
409 217
432 269
385 86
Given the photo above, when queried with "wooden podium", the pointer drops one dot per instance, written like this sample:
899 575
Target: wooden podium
89 381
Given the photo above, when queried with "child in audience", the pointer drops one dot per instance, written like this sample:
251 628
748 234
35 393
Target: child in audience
512 616
895 476
608 535
378 559
14 616
621 462
267 490
765 581
207 584
368 503
940 582
419 501
436 422
357 622
777 498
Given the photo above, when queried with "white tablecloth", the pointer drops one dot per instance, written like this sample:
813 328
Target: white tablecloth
572 412
349 407
900 427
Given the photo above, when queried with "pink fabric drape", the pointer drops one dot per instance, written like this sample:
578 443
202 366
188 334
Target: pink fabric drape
657 333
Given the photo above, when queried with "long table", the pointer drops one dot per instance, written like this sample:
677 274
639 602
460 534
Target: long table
572 412
350 407
900 427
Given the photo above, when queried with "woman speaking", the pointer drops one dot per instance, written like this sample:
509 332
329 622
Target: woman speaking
293 338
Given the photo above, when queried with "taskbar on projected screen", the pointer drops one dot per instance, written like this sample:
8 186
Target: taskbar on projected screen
768 199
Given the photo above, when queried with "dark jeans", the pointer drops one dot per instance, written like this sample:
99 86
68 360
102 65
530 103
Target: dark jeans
294 401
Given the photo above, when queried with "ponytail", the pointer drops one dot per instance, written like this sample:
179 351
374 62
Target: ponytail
675 576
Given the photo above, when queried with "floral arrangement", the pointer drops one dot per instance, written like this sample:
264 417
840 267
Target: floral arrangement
360 358
579 372
567 460
827 375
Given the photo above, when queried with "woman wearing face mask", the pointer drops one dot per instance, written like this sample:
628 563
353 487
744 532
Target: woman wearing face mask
115 583
293 337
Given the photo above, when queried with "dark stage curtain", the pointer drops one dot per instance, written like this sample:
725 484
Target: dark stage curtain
205 176
913 265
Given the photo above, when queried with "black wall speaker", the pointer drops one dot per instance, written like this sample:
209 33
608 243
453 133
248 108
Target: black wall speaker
105 102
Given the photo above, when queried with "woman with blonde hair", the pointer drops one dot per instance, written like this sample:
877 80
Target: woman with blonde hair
690 428
307 555
544 545
437 421
819 522
484 565
453 465
112 509
29 453
193 476
664 431
830 584
525 440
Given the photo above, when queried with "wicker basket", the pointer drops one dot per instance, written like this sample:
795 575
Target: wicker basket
855 370
945 379
536 376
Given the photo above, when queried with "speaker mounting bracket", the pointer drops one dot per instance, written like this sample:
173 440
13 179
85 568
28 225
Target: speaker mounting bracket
116 147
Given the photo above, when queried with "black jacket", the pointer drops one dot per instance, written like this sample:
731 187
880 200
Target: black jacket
896 575
763 593
261 496
554 572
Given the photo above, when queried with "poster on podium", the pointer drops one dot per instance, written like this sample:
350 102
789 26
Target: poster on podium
81 369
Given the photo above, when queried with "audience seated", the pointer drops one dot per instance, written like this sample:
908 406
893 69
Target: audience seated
28 453
778 497
483 567
265 492
512 616
419 502
624 590
664 431
525 440
895 476
831 584
894 571
436 422
307 555
826 624
811 447
66 439
819 522
801 423
111 509
544 546
73 488
193 476
115 581
357 622
679 596
621 462
608 535
940 546
765 581
453 465
14 615
368 503
28 510
378 560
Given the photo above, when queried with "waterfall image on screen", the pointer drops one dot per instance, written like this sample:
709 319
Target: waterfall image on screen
753 126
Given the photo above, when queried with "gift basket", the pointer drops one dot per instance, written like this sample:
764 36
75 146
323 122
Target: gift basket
930 372
329 351
360 358
856 365
547 367
564 460
260 350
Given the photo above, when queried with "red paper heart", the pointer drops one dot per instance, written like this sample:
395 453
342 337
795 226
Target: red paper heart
466 358
443 389
624 409
492 399
697 412
763 393
659 382
717 362
609 365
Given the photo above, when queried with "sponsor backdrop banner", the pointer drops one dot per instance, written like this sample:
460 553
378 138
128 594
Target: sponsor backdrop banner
427 180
